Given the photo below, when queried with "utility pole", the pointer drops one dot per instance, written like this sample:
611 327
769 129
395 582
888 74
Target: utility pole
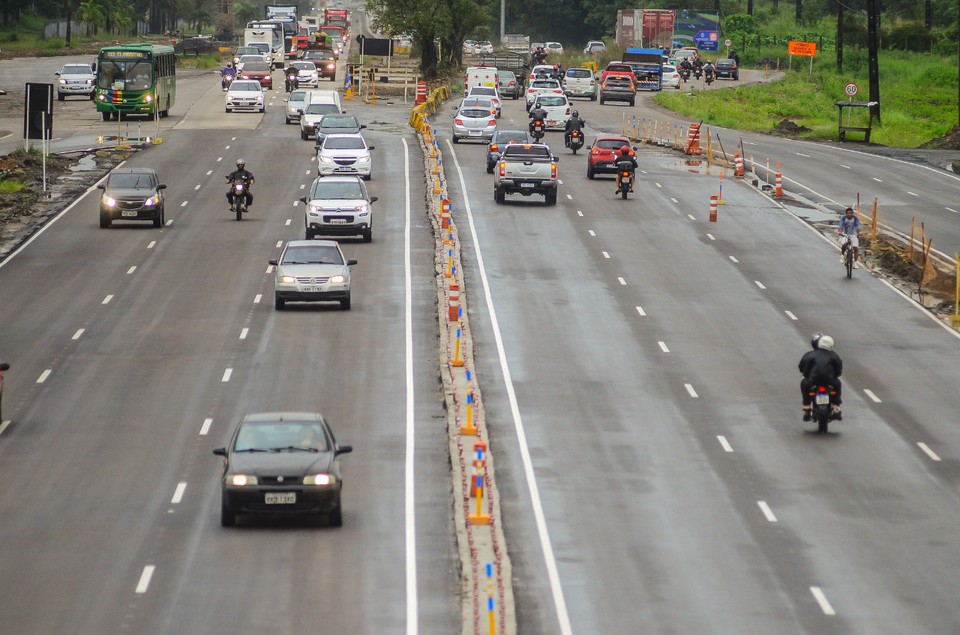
799 12
503 21
839 37
873 28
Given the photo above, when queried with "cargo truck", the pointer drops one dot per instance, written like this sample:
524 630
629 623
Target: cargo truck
647 67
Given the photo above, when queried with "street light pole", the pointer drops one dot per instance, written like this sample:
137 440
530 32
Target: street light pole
503 22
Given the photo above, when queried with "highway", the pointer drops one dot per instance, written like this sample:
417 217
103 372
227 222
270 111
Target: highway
653 357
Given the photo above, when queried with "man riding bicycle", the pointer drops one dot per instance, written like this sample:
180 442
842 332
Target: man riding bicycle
849 230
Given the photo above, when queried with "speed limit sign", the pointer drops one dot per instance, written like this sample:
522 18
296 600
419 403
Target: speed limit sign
851 89
727 42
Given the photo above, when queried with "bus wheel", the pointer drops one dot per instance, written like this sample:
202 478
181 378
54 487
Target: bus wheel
106 116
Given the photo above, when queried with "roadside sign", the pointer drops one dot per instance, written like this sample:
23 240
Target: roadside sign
727 42
707 40
851 89
802 49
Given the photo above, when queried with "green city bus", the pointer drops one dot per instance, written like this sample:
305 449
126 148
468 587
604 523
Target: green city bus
136 79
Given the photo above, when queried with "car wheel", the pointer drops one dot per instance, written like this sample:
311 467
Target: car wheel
106 115
602 101
345 303
263 109
632 102
551 197
60 96
590 172
279 303
499 196
225 109
158 219
309 234
303 135
288 121
227 517
104 220
336 516
456 139
368 236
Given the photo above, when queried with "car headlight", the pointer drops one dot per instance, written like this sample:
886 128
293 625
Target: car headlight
241 480
63 81
365 158
259 97
153 200
338 279
89 82
285 279
320 479
314 210
361 210
325 159
109 201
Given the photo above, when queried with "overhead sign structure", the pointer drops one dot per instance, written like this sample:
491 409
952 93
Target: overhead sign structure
707 40
802 49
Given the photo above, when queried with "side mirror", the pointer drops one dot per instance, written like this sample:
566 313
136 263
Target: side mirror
374 199
272 261
556 159
351 262
57 73
101 187
343 449
362 126
4 366
371 147
220 451
303 199
635 148
162 186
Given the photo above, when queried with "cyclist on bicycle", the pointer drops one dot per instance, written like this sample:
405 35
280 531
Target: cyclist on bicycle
850 229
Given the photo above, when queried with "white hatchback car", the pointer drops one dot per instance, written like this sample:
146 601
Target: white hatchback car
245 94
554 48
307 75
558 110
671 78
540 87
345 154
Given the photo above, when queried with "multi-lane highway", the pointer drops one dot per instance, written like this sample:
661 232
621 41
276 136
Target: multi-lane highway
653 357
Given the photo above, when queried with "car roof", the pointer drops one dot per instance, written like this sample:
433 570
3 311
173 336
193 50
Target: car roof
613 138
291 416
348 178
133 171
344 135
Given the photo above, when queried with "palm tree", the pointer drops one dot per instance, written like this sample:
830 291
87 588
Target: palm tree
200 18
93 12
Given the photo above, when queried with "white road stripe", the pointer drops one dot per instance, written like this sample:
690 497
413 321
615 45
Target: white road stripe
693 393
77 335
878 180
219 159
658 185
923 446
209 172
734 258
3 425
912 193
184 204
640 310
43 376
257 298
279 244
152 244
205 428
144 582
579 213
691 217
131 269
307 172
674 200
569 197
622 281
168 223
663 347
711 237
269 268
197 187
869 393
107 299
950 209
226 375
289 220
759 284
296 203
767 511
243 333
790 315
605 254
724 443
845 166
178 493
800 154
822 601
302 186
592 233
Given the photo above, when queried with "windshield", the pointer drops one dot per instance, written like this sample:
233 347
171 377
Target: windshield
612 144
124 75
581 73
126 181
256 67
275 437
312 255
263 47
507 136
298 95
344 143
338 122
321 109
553 101
545 83
475 113
325 189
76 69
304 66
245 87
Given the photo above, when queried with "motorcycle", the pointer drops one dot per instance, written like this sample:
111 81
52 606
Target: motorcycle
576 141
292 84
822 411
226 80
239 204
697 72
537 130
708 77
624 181
685 74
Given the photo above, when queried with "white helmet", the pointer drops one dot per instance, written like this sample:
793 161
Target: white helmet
825 343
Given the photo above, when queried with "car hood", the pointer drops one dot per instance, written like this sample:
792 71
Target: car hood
326 131
284 462
84 76
346 152
339 204
312 270
244 93
130 192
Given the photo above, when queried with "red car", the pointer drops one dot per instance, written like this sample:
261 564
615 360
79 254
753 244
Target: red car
603 155
259 71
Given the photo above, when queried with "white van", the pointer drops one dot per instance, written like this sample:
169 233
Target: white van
480 76
324 96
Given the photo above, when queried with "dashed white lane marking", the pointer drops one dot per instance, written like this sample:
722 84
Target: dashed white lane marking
912 193
279 244
878 180
131 269
243 333
144 582
296 203
691 217
3 425
845 166
759 284
219 159
641 311
178 493
209 172
622 281
724 443
152 244
767 512
197 187
658 185
693 393
663 347
790 315
168 223
569 197
302 186
579 213
734 258
184 204
822 601
289 220
711 237
950 209
869 393
226 375
559 181
800 154
591 232
307 172
205 428
674 200
605 254
269 268
43 376
926 449
107 299
77 335
257 298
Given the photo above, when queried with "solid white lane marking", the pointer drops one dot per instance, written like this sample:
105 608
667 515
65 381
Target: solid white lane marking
184 204
131 269
197 187
559 602
912 193
950 209
663 347
800 154
3 425
711 237
691 217
724 443
205 428
569 197
226 375
878 180
579 213
592 233
257 298
845 166
640 310
178 493
622 281
559 181
734 258
822 601
759 284
767 511
605 254
107 299
289 220
790 315
152 244
144 582
43 376
77 335
280 242
243 333
693 393
926 448
869 393
296 203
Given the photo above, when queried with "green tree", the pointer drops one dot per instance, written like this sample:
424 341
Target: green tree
244 12
94 13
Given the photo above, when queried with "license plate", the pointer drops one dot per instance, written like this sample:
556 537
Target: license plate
474 133
280 498
338 221
128 213
343 169
822 399
551 122
526 185
312 288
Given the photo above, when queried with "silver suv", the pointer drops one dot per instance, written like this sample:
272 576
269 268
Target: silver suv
339 206
75 79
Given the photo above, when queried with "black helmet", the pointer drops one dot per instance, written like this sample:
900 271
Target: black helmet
575 113
815 340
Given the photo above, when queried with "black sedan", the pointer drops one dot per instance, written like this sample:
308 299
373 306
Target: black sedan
132 194
501 138
282 463
334 123
726 67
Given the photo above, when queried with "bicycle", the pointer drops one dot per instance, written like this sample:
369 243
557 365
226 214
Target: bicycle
847 250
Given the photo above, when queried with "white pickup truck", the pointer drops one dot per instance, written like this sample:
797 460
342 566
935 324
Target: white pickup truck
526 169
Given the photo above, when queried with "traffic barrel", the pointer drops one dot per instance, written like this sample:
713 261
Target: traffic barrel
421 93
693 139
453 304
778 183
713 208
738 162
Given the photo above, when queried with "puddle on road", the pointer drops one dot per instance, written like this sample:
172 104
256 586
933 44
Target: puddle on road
84 164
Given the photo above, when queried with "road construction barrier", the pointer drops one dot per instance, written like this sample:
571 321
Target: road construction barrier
693 140
479 518
713 208
778 183
479 466
421 93
457 360
453 305
738 162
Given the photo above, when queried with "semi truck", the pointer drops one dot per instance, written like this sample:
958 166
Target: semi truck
647 67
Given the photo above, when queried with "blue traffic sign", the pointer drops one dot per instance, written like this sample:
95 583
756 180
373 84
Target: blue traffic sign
707 40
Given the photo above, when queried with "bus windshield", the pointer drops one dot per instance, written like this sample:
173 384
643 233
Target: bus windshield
124 75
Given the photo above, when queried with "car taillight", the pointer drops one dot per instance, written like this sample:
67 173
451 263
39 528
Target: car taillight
459 122
503 169
557 90
553 170
492 122
511 83
493 148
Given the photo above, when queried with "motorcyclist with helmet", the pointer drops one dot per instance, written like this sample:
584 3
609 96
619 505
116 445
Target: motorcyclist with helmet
539 55
290 77
626 162
686 68
246 177
573 123
820 367
708 71
538 113
228 72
